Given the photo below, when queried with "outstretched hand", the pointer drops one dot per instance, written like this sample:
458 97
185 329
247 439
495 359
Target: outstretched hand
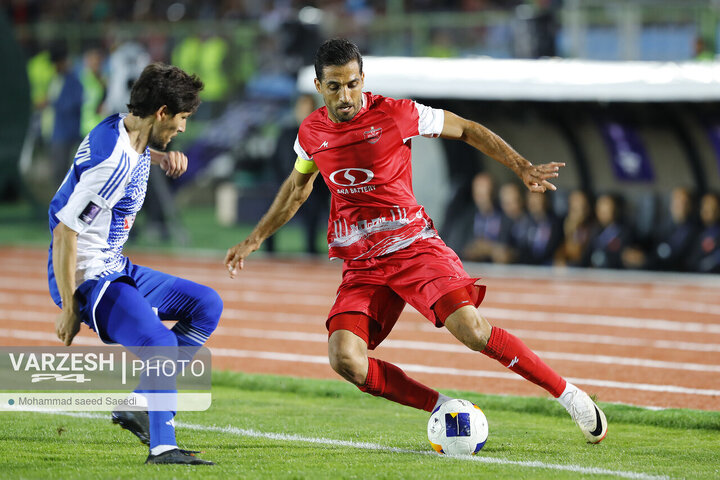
235 257
536 177
174 164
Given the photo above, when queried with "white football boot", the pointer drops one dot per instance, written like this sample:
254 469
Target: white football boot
585 413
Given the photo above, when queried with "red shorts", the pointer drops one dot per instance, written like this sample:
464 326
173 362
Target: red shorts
380 287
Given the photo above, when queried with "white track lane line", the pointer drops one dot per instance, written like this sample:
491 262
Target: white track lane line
462 349
429 369
609 321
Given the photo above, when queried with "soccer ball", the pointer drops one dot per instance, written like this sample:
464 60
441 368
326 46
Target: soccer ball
457 427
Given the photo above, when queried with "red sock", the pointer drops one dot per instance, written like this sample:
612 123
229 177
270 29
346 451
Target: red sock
514 354
388 381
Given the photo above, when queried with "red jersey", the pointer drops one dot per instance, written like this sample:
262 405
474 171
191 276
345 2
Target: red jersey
366 164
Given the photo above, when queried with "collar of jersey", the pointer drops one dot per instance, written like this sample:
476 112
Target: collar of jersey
125 136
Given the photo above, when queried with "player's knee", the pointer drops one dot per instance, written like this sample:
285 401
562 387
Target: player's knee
352 368
470 328
211 307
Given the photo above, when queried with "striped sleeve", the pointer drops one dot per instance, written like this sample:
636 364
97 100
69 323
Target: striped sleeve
96 192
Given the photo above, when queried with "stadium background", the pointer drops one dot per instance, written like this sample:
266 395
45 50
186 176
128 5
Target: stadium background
249 53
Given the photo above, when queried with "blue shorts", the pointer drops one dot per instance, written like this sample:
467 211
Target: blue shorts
153 285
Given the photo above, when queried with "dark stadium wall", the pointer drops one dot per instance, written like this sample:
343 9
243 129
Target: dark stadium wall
14 109
673 136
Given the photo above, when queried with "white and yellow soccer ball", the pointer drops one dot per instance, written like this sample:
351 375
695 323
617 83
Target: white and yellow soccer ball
457 427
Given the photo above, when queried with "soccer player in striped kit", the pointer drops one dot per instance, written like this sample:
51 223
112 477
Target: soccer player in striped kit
90 218
392 255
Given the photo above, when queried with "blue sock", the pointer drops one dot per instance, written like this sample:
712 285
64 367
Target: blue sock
162 428
127 318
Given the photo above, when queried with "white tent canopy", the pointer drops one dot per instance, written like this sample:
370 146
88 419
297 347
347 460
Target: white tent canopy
538 80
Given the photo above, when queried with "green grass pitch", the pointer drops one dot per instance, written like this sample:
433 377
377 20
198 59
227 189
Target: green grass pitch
279 427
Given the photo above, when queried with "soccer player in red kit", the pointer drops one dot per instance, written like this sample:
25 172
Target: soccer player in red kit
392 255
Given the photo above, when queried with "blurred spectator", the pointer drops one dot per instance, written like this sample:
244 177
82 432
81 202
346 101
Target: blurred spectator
441 45
546 27
672 242
487 222
578 227
463 164
315 210
536 28
40 74
543 233
517 223
705 254
206 56
703 50
125 64
65 97
93 91
610 236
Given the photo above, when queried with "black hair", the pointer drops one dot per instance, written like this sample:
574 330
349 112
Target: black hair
160 84
336 51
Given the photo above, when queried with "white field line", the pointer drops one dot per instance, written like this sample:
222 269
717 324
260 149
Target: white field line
294 438
429 369
462 349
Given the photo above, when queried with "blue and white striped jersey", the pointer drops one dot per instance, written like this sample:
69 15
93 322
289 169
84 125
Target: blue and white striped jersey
99 198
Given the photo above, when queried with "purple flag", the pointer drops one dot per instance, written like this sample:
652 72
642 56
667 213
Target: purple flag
629 158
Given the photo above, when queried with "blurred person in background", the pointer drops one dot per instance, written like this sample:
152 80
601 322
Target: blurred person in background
65 96
578 227
610 237
543 234
512 204
94 91
704 256
206 54
703 50
487 223
315 210
672 241
126 62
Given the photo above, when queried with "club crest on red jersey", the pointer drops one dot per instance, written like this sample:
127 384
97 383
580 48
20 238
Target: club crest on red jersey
372 135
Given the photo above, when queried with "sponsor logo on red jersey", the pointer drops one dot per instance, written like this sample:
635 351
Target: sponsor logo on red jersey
351 177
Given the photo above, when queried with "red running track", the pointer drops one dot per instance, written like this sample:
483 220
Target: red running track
642 339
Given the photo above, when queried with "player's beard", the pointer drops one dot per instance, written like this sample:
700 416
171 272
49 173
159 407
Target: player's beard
346 117
156 142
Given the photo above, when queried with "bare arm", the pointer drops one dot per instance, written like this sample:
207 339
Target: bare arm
173 163
292 194
535 177
67 324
